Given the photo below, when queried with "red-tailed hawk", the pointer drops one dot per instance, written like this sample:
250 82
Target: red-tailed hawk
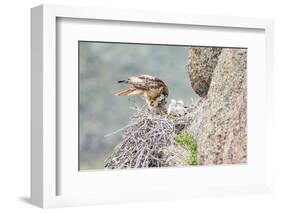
152 89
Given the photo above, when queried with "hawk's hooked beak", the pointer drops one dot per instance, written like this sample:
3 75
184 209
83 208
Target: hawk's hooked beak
163 101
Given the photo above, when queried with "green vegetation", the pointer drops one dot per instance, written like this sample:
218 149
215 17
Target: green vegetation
173 118
187 141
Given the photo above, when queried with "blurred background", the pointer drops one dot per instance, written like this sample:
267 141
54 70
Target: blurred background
101 65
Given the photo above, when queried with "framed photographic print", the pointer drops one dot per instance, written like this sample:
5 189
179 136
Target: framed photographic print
130 106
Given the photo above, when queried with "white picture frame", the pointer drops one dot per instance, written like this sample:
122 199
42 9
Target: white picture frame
45 168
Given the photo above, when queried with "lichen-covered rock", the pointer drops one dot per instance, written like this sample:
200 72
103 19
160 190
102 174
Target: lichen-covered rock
218 121
202 62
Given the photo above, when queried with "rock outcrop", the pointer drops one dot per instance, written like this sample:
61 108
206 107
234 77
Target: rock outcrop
219 120
202 62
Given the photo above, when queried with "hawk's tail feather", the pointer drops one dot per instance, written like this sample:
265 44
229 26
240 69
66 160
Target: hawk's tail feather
122 81
126 92
131 91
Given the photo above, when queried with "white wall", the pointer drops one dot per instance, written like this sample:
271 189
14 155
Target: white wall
15 98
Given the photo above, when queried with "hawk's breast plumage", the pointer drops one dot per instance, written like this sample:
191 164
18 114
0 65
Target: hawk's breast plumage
153 89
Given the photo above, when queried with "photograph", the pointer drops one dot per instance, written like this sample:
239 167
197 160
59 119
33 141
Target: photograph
161 105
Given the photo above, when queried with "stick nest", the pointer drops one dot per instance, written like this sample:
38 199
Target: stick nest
148 141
